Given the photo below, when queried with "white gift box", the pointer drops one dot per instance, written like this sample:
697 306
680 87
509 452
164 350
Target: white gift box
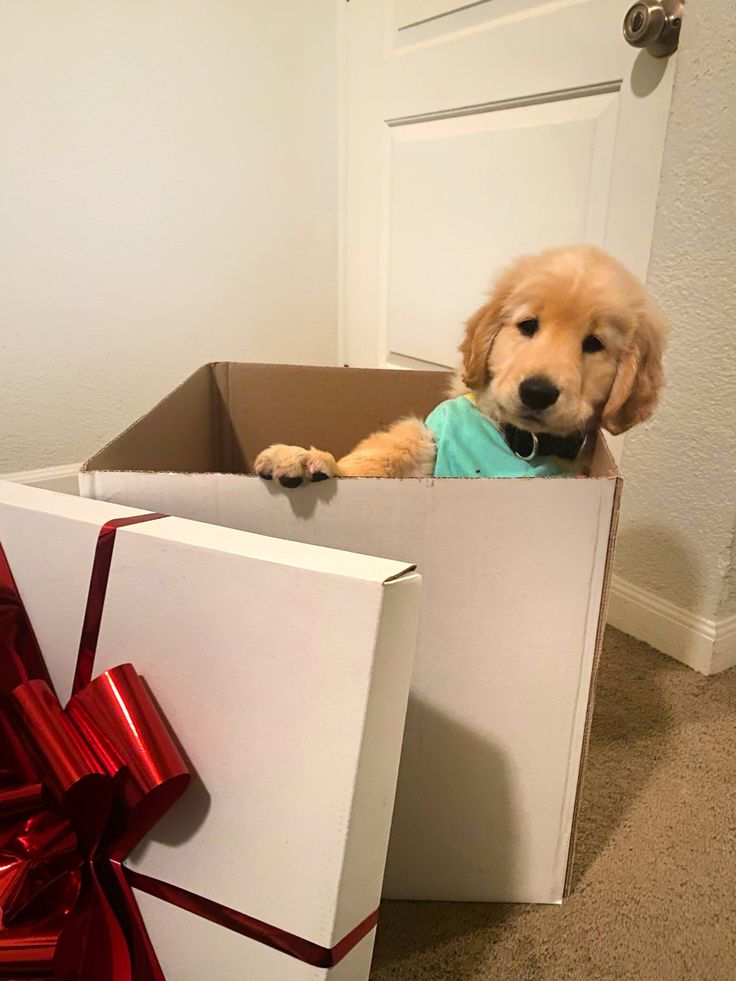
284 671
515 578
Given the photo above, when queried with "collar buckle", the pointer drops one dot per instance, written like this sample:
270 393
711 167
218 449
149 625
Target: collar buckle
534 450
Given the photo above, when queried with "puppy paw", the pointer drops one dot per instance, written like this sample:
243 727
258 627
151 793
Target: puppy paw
292 465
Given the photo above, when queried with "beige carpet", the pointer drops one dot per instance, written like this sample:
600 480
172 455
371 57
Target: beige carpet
655 883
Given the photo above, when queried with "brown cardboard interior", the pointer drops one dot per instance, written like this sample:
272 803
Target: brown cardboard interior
175 436
224 414
332 408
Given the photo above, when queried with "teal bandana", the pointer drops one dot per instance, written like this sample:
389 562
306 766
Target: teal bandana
469 445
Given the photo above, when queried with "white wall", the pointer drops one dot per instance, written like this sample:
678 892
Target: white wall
167 197
679 506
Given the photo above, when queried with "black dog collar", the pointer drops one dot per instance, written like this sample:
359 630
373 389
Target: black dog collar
528 446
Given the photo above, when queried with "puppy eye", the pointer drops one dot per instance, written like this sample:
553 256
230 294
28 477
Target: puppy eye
591 344
529 327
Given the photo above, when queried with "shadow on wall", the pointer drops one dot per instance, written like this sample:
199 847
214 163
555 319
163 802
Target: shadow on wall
658 559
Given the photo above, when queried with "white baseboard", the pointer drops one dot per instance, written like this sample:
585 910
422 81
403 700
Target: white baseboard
724 653
62 479
709 646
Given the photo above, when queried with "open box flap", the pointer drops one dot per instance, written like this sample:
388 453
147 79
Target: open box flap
175 435
224 414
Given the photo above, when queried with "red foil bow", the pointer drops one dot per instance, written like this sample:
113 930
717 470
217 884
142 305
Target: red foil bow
79 788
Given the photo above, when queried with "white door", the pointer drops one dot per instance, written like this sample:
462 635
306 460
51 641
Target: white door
474 132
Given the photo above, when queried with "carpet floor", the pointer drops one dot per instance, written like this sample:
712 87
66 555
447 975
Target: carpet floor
654 895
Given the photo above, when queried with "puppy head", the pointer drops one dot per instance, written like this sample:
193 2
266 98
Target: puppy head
568 340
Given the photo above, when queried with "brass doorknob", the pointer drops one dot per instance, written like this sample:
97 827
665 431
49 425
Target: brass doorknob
654 25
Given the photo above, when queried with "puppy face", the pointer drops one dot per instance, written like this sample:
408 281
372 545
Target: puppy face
568 340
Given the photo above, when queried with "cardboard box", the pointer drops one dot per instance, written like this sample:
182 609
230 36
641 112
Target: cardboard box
284 671
515 579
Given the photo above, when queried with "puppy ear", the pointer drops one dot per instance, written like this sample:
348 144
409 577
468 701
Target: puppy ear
639 378
480 330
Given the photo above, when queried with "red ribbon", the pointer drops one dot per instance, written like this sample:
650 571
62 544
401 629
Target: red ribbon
79 788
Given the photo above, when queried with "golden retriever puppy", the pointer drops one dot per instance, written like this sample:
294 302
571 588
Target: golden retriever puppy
568 341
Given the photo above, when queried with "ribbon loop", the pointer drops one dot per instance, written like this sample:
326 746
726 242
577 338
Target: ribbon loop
120 721
61 755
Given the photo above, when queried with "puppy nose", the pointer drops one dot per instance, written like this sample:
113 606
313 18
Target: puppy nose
538 392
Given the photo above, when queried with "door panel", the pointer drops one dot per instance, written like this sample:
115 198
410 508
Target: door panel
537 173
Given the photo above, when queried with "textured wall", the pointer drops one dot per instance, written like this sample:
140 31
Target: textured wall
167 197
679 510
